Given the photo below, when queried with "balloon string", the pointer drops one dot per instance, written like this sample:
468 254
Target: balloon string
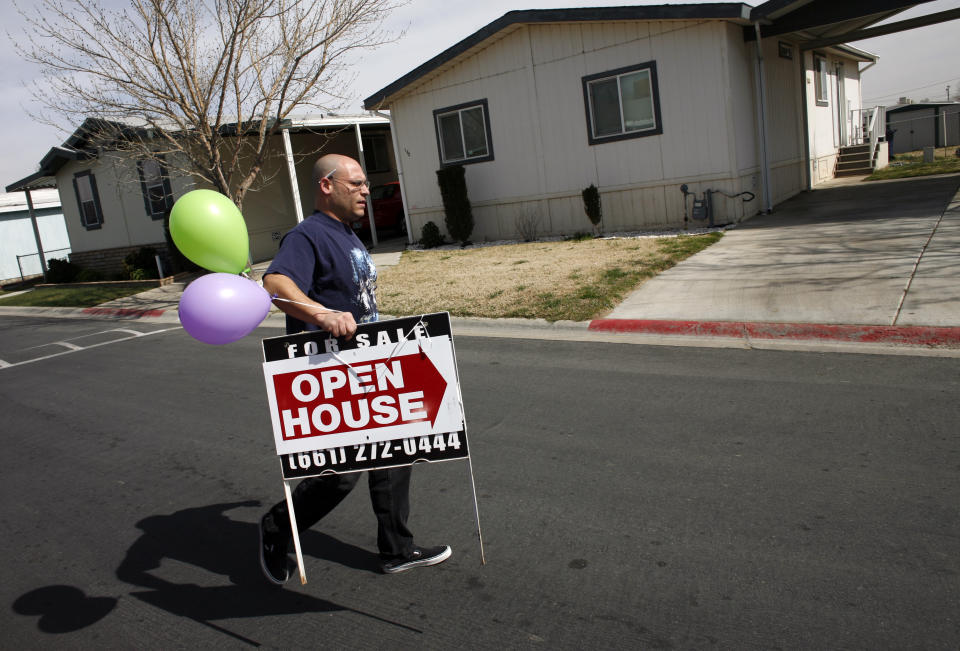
323 310
403 340
406 338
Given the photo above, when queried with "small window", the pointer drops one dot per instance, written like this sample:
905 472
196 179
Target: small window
88 200
155 185
622 103
463 133
375 153
821 79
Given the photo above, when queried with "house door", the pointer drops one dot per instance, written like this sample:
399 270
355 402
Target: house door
840 114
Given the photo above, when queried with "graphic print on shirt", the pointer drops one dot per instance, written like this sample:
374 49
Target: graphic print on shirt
365 278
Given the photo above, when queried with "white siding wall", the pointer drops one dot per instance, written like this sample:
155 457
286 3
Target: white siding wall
125 222
268 207
785 148
784 121
823 123
742 125
531 79
851 84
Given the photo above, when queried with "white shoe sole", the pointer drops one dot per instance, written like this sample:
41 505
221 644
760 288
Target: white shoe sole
263 563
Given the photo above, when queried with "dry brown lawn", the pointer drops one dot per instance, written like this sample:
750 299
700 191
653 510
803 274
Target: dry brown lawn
575 279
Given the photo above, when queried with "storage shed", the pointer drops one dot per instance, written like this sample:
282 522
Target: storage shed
923 124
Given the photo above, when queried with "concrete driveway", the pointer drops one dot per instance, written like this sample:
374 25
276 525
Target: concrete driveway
880 253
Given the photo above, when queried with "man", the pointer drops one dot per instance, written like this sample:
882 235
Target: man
326 270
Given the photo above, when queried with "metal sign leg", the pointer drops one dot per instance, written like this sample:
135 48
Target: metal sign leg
294 530
476 509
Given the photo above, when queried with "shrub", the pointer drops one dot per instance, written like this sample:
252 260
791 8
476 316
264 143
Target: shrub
430 236
458 215
528 223
88 276
591 206
141 265
61 271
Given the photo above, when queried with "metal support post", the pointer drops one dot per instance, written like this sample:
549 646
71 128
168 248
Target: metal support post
36 236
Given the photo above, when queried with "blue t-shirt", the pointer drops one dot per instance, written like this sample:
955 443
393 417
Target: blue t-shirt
330 264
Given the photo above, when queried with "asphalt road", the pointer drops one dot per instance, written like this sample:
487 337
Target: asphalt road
634 497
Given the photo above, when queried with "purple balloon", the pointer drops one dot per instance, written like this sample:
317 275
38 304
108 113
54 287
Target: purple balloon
219 308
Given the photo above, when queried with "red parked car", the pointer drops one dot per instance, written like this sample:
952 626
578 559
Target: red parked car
387 210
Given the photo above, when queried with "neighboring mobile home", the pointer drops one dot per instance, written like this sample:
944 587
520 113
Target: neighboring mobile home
114 205
19 251
641 101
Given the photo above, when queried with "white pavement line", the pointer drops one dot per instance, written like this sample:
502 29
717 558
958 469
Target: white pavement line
903 297
103 343
133 332
66 344
4 364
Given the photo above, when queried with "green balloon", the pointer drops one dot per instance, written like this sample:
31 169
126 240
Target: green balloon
208 228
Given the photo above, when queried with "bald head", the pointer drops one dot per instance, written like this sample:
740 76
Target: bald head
326 164
340 187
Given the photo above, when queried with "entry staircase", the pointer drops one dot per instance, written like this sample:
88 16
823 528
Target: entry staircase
855 160
860 157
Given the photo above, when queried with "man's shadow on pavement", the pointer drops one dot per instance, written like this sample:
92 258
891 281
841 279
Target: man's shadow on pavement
206 538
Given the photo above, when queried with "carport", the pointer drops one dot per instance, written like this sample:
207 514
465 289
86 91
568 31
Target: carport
364 137
820 24
279 206
37 181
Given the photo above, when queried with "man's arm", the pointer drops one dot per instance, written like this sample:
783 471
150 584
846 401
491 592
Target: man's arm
339 324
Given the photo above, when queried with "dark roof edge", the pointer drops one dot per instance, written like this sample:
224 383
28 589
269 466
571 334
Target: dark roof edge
51 162
33 182
715 11
764 11
896 108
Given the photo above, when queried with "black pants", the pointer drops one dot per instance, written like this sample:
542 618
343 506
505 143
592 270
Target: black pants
315 497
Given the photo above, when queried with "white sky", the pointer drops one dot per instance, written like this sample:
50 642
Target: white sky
919 64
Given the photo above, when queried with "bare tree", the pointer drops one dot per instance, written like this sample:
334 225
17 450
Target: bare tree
201 85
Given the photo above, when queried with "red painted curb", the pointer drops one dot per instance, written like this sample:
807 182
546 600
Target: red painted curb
903 335
121 311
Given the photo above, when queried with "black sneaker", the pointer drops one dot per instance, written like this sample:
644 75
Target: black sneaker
273 555
418 557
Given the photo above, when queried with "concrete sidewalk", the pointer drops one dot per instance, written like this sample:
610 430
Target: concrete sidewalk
866 254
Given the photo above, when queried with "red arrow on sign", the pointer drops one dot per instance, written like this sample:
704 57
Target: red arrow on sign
362 396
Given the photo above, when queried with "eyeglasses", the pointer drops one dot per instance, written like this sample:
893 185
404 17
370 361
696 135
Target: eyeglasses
355 186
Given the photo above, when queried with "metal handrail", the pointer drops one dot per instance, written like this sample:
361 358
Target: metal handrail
869 127
873 134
